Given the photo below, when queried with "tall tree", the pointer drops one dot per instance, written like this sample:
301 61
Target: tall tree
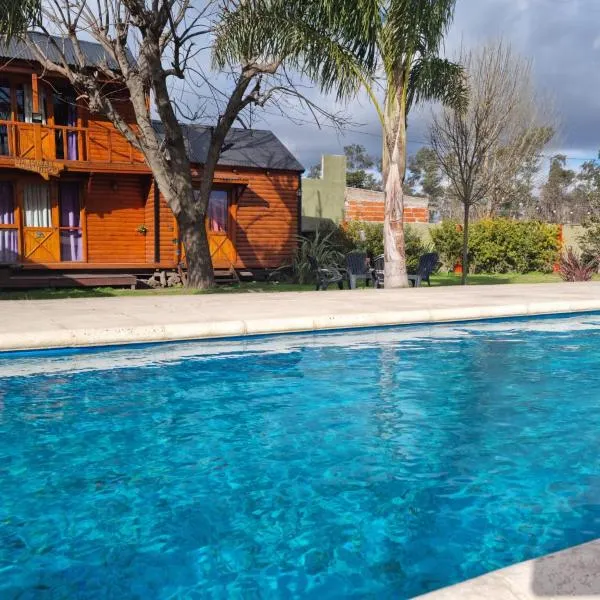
469 143
359 164
150 43
362 169
410 41
425 173
557 193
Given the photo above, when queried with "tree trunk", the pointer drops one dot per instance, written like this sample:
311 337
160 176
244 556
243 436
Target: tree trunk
197 253
465 247
394 171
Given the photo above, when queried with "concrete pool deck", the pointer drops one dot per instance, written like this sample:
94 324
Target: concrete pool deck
572 573
61 323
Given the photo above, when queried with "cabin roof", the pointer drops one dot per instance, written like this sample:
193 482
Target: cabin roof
93 52
254 148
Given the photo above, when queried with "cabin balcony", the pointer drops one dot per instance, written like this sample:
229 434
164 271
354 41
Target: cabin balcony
70 147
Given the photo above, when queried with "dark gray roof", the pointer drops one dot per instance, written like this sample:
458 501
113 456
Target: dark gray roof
93 52
255 148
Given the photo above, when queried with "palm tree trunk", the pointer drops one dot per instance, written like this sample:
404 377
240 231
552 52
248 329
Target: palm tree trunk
394 171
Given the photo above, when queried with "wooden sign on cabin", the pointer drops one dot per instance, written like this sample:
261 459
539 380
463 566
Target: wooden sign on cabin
45 168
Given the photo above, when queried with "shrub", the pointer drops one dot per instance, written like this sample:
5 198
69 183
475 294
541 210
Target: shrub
499 245
503 246
368 237
365 236
589 241
575 268
447 242
415 247
321 247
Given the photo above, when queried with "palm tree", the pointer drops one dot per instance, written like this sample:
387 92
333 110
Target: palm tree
337 43
16 16
409 44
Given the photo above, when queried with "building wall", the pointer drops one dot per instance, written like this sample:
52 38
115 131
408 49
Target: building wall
168 239
328 198
367 205
114 211
323 198
267 218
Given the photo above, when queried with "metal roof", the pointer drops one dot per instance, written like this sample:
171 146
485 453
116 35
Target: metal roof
93 52
255 148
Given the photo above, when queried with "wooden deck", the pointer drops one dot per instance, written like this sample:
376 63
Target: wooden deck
67 280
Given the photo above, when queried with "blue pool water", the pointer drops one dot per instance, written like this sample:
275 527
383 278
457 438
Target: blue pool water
376 464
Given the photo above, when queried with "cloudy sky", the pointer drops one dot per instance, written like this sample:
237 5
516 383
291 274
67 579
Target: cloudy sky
561 37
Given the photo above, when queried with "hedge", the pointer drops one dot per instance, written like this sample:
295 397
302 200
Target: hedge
368 237
500 245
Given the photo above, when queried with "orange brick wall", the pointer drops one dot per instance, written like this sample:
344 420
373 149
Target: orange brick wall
366 205
416 215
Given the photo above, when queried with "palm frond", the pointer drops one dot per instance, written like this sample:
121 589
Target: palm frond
17 16
414 28
437 79
333 42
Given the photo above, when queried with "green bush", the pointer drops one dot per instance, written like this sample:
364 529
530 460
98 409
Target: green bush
499 245
364 236
368 237
506 246
447 242
589 241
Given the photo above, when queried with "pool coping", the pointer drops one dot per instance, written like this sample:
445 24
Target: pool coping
573 573
57 335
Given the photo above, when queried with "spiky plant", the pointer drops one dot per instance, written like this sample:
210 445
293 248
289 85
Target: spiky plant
573 267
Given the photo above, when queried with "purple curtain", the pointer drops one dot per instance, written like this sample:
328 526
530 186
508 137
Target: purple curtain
9 241
217 211
70 239
72 135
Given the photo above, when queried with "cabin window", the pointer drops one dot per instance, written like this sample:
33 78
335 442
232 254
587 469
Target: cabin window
9 233
65 115
37 206
217 213
5 115
5 103
24 99
71 236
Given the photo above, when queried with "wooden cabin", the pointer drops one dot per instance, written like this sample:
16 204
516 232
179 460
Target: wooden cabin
78 204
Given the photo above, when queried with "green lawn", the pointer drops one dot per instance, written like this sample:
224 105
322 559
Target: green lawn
436 280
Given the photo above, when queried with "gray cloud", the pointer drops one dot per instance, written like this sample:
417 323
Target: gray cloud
562 38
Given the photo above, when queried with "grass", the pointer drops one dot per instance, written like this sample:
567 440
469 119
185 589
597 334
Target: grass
436 281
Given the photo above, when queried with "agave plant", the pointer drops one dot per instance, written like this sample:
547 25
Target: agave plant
573 267
320 246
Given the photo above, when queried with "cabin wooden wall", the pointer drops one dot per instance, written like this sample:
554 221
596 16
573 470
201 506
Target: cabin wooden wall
168 244
105 142
266 218
115 207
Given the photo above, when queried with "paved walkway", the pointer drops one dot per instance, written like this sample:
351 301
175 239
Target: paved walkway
119 320
572 573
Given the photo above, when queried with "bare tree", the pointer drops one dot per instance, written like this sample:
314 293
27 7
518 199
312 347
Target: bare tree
482 148
150 43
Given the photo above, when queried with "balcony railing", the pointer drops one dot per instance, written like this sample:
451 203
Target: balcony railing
64 143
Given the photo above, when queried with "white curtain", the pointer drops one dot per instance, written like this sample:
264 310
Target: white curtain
28 101
36 202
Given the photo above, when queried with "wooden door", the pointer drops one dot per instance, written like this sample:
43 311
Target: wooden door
41 242
220 230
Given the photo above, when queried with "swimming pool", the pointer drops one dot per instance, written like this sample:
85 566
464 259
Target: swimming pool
383 463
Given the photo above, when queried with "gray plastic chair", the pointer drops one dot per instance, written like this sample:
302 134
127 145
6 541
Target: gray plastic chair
378 270
357 267
427 265
326 275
